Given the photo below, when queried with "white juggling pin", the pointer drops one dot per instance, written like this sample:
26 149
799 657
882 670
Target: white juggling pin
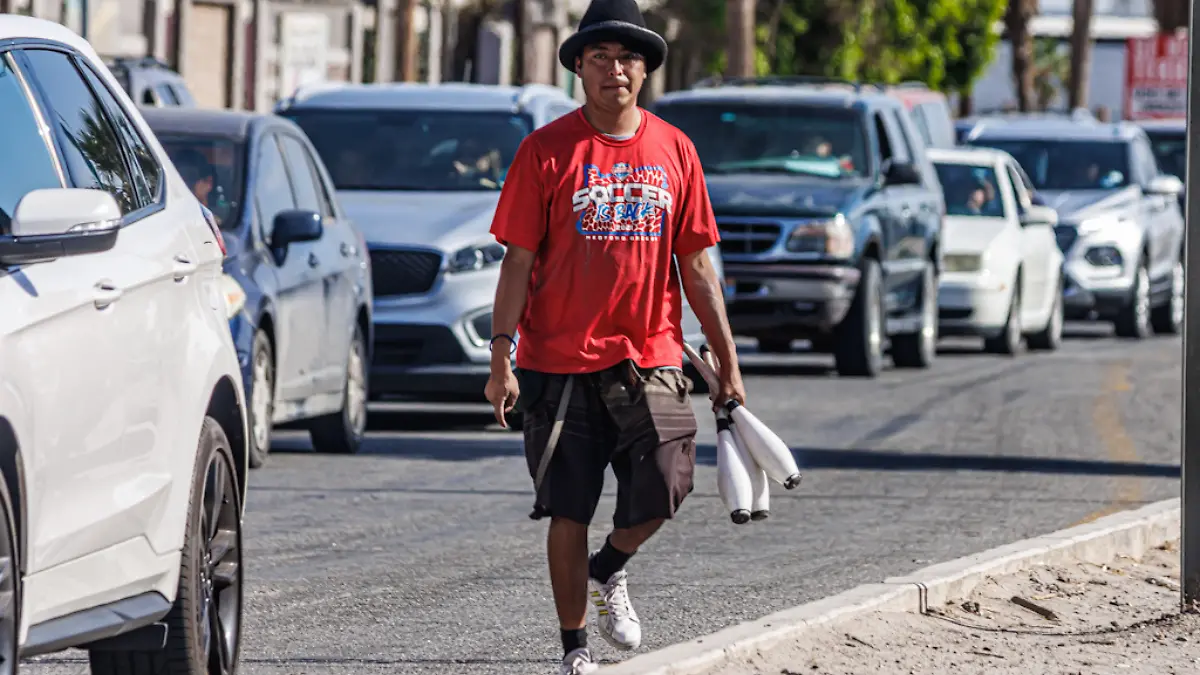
733 476
768 449
760 488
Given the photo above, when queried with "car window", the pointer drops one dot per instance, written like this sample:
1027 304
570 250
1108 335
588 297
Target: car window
1018 188
272 191
90 146
1068 164
886 144
1170 152
304 180
21 141
1143 159
905 145
212 168
970 189
146 171
166 94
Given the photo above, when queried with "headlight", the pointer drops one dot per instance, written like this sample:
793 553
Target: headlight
962 262
832 237
235 297
476 257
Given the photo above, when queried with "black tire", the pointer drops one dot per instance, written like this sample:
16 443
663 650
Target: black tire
918 350
210 596
262 355
1133 321
10 585
342 432
1049 338
1167 319
1009 341
859 348
775 345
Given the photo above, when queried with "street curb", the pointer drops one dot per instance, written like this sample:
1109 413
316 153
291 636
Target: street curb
1130 533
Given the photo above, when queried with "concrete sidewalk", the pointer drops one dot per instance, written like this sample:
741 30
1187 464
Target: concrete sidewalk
1078 599
1070 618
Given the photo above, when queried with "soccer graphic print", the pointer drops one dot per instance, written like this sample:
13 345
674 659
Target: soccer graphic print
626 204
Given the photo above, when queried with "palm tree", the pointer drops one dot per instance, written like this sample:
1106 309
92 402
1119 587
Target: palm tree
1081 54
1016 23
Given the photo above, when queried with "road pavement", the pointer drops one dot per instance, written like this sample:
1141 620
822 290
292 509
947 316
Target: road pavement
417 556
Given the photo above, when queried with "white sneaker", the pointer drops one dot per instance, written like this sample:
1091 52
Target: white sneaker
618 621
578 662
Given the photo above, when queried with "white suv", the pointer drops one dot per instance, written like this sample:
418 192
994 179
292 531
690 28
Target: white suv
122 424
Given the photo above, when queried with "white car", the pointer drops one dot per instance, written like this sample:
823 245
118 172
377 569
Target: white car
122 417
1002 269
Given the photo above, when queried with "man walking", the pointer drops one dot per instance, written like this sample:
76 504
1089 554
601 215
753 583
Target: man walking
597 208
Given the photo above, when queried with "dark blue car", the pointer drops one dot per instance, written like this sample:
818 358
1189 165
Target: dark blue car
297 277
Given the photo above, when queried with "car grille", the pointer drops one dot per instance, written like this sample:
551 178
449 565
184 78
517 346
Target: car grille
1065 235
748 238
403 271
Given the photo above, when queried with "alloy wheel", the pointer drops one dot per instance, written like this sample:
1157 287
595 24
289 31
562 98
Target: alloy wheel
1177 285
261 398
220 569
356 389
1142 301
8 601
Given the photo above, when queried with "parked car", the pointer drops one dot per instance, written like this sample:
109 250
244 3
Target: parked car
1002 274
151 83
297 271
930 112
1168 142
419 168
1120 226
122 420
830 216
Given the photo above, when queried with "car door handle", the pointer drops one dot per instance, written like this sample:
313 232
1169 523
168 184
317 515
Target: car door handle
347 250
105 293
183 267
313 261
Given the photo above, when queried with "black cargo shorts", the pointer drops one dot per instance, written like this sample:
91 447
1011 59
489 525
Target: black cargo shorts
639 421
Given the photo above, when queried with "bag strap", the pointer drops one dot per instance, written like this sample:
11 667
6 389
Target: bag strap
555 432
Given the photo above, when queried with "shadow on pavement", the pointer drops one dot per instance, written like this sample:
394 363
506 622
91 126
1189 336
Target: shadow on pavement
891 460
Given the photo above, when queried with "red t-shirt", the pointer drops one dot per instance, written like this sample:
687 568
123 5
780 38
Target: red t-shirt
605 217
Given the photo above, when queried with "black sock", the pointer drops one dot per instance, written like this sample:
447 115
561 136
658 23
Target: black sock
607 562
573 639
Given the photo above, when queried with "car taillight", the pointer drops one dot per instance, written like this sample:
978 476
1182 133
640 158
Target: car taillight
216 229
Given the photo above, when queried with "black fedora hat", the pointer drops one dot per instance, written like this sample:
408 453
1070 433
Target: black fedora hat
614 21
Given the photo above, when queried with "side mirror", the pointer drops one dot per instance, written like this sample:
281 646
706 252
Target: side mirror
901 173
58 222
295 226
1166 185
1039 215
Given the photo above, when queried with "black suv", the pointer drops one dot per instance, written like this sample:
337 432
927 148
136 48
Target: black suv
830 215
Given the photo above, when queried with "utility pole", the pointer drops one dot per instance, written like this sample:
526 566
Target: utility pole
1081 54
407 42
524 52
1190 485
739 17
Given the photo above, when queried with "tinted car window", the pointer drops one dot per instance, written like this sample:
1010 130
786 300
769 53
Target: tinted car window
26 164
1171 152
745 137
212 168
970 190
303 180
1068 165
272 191
146 170
393 149
89 144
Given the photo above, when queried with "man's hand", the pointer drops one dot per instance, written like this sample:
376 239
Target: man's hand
502 391
731 388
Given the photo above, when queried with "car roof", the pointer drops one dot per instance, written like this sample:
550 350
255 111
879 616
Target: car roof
441 96
232 124
966 155
1058 128
778 90
15 26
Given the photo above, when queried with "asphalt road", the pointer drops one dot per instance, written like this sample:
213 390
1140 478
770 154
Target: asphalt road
417 555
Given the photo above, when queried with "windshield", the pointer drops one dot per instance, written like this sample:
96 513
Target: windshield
1069 165
212 168
745 137
415 149
970 190
1170 149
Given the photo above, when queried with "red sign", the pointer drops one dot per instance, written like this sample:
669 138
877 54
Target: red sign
1156 77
